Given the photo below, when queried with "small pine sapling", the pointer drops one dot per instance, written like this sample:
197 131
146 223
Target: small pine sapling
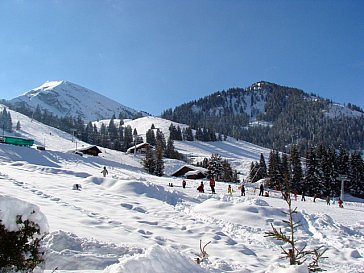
295 255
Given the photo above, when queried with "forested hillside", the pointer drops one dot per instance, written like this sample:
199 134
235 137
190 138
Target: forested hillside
275 116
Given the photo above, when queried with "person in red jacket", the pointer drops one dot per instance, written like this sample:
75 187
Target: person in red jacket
201 188
340 202
212 185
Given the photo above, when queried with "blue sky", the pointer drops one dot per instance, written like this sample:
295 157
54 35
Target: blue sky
152 55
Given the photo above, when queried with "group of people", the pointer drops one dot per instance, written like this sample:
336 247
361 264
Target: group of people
201 187
315 196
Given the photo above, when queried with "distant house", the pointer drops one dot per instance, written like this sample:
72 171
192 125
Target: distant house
139 148
190 172
89 150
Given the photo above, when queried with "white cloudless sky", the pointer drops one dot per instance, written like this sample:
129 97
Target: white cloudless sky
153 55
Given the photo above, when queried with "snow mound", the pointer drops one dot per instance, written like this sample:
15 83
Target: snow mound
69 252
324 223
280 268
147 189
156 259
11 207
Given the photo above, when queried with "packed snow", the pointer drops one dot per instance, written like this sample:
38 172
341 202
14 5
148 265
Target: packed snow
130 221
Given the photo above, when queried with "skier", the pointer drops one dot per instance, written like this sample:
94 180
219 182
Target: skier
242 190
77 187
104 172
261 192
303 196
184 183
201 188
314 198
328 200
340 202
230 190
212 185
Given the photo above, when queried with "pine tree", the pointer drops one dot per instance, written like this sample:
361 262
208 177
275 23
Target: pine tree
286 172
215 167
150 137
356 178
128 138
89 133
272 170
103 136
205 163
159 163
312 177
170 151
112 130
149 161
5 120
326 172
254 172
188 135
343 161
21 250
228 175
262 167
18 126
296 166
160 138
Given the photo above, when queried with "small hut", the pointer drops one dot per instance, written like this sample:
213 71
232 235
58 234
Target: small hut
90 150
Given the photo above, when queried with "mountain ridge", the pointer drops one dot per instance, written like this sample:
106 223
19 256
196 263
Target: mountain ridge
64 98
274 116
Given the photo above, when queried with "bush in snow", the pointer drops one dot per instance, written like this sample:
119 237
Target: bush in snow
22 227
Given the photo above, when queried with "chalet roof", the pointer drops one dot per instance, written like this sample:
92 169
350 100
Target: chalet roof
187 169
87 148
138 146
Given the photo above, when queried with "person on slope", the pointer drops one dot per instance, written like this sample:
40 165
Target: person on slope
242 189
340 202
261 192
230 190
184 183
104 172
201 188
212 185
303 196
328 200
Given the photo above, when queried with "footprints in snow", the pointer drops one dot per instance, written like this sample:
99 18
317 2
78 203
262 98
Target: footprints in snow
132 207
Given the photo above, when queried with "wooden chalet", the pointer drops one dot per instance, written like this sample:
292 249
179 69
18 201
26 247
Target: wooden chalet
90 150
190 172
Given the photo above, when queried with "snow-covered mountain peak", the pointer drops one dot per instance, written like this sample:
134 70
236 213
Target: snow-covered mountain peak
64 98
49 85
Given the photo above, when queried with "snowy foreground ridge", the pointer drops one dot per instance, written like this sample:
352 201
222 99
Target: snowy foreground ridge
130 221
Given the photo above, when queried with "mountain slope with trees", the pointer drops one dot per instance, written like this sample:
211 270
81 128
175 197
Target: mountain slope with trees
274 116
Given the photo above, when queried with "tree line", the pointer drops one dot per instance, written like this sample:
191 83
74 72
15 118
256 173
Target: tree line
319 173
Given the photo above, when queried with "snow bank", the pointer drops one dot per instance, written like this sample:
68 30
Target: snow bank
11 207
156 259
279 268
67 251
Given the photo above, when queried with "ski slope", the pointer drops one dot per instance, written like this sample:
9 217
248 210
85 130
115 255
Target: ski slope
130 221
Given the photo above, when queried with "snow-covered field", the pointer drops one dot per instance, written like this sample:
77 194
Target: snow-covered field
130 221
